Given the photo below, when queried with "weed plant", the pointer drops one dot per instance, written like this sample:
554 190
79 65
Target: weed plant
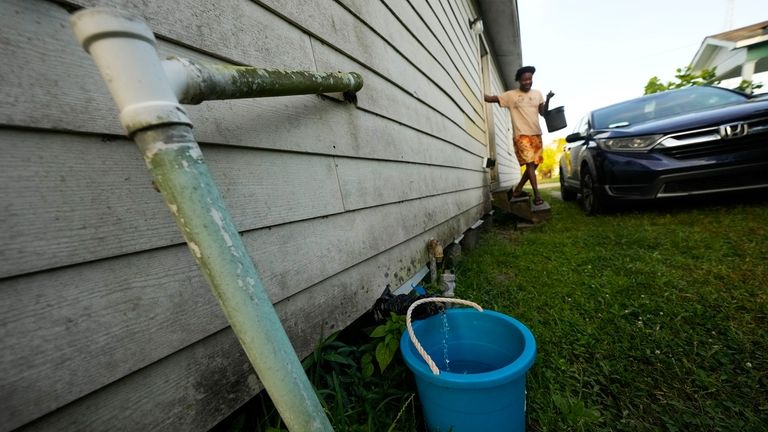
360 378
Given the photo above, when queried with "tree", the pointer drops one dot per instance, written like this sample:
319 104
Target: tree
551 158
686 77
748 86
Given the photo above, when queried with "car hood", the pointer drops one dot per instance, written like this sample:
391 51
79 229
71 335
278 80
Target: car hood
752 109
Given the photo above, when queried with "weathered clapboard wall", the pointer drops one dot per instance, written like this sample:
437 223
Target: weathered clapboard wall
105 321
507 166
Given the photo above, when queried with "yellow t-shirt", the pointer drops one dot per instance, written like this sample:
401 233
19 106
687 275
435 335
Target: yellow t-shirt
524 109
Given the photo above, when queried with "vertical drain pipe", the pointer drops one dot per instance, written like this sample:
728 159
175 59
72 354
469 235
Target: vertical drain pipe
123 48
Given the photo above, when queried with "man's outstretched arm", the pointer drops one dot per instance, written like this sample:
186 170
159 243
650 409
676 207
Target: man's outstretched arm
544 107
491 98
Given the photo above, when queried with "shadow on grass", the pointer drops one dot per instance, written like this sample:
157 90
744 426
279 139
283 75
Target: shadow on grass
687 203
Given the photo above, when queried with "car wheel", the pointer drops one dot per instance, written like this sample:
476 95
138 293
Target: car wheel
592 199
565 193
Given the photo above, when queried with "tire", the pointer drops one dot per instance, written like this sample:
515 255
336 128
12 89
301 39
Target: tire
565 193
592 199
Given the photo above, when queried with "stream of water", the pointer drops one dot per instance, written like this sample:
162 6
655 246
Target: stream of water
446 328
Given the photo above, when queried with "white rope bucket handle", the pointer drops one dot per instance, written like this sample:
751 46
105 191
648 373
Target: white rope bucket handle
432 366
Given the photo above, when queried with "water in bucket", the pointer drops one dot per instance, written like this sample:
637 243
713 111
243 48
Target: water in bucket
481 384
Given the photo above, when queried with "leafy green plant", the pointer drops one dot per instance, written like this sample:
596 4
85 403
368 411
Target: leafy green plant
749 86
685 77
355 396
387 340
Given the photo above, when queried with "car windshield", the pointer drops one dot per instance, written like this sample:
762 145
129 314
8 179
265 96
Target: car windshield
662 105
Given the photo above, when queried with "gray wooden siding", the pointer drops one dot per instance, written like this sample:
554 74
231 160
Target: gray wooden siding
105 321
507 165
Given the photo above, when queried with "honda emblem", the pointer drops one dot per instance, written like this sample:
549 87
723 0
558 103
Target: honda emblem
733 130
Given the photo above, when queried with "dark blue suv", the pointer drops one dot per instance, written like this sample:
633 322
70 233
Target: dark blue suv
691 141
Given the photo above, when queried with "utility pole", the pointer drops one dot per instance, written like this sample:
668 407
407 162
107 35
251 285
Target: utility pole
729 7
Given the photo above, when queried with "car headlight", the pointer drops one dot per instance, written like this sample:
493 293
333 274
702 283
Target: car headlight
638 143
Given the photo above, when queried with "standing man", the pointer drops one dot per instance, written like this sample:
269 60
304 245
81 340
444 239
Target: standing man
525 104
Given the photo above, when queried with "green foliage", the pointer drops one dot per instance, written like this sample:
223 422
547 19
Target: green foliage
388 342
749 86
551 156
355 397
685 77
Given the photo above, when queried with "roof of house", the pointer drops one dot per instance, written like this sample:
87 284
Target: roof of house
502 28
744 34
728 51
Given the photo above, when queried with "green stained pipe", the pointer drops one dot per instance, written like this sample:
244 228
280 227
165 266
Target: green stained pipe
207 81
147 94
181 175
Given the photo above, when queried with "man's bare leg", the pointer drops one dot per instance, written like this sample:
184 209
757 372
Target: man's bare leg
531 171
517 190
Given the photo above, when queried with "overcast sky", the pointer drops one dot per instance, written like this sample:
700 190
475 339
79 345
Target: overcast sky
592 53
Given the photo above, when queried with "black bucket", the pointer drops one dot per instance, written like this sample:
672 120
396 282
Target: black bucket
555 119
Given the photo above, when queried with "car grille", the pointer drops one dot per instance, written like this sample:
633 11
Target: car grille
629 190
708 142
746 180
714 148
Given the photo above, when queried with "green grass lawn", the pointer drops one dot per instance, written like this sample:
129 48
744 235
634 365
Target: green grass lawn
645 320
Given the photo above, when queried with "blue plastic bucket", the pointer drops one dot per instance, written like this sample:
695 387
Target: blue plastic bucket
482 387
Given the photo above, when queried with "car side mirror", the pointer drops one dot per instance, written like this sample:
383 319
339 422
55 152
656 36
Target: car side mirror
574 137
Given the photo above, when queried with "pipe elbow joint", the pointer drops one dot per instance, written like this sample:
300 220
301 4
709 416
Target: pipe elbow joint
123 48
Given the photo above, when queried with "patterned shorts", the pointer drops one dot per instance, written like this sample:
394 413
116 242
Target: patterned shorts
528 149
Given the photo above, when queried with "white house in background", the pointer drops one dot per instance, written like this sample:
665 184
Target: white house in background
739 53
105 320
